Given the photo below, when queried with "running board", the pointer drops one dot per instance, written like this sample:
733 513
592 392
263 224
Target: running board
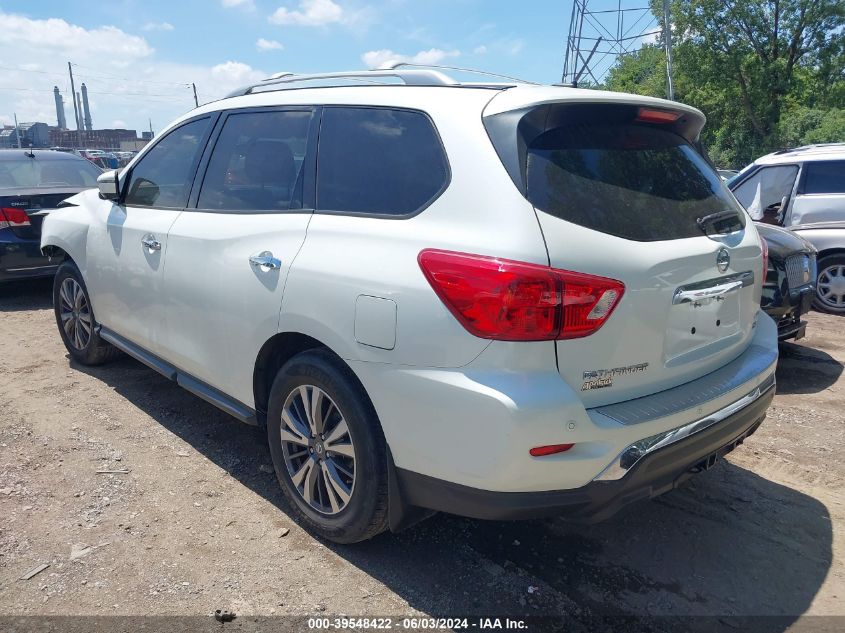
197 387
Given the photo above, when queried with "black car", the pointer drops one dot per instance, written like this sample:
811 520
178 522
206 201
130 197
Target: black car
32 182
790 280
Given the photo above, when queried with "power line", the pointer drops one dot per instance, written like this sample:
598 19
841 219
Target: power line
27 70
114 94
106 75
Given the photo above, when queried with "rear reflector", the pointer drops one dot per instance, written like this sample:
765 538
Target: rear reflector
551 449
10 217
650 115
506 300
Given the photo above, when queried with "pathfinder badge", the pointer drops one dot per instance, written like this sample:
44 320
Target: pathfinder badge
601 378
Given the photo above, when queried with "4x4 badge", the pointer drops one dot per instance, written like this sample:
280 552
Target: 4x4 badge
723 260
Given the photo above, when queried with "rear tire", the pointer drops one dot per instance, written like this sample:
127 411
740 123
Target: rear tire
75 318
830 284
328 448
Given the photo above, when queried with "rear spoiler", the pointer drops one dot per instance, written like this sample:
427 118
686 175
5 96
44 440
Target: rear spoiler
513 130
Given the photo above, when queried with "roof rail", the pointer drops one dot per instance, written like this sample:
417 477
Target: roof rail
416 77
810 147
395 65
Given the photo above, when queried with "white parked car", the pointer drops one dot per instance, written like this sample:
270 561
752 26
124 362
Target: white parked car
496 300
803 189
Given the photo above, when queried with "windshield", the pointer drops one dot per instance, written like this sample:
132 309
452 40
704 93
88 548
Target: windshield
27 173
634 181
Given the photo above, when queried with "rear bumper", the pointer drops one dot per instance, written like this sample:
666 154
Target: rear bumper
653 474
22 258
786 309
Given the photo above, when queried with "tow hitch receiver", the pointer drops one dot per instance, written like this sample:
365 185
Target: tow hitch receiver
707 463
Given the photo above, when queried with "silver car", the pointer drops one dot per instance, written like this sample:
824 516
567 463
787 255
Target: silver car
829 239
803 189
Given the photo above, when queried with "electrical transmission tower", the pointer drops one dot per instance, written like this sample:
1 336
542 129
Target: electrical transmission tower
598 37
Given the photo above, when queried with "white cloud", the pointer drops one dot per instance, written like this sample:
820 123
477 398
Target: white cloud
480 50
268 45
650 37
385 56
157 26
249 5
126 79
119 124
56 35
515 47
236 72
310 13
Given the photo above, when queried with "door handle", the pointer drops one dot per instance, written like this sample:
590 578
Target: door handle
714 292
265 261
150 242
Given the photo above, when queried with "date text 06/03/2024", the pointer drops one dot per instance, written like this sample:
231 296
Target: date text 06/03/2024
423 623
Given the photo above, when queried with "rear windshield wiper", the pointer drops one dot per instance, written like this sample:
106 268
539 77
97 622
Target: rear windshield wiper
714 220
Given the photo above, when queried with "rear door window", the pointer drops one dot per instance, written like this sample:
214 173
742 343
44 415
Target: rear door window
258 162
824 177
634 181
378 161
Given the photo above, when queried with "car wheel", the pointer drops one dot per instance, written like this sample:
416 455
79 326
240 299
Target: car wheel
830 285
328 448
75 318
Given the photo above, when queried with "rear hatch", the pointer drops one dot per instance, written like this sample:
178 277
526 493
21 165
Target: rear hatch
23 211
621 192
32 183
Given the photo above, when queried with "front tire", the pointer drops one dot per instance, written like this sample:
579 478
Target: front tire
75 318
830 285
328 449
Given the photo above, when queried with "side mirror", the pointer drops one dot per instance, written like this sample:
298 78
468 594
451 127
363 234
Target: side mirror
109 185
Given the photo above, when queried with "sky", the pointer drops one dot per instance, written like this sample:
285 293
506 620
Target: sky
139 57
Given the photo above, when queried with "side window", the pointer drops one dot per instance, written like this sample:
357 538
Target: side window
768 187
378 161
258 162
825 177
162 178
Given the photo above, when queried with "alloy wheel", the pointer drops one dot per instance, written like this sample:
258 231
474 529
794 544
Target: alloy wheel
830 287
75 313
318 449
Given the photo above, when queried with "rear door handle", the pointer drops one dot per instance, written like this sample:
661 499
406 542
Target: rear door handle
265 261
150 242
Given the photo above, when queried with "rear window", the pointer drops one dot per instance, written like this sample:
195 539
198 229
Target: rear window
825 177
29 173
630 180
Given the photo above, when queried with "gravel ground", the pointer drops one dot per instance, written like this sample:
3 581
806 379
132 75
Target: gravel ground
144 499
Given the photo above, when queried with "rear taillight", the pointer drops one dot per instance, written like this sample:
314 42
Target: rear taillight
765 246
10 217
515 301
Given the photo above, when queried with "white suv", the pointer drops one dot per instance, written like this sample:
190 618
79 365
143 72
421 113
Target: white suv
791 187
495 300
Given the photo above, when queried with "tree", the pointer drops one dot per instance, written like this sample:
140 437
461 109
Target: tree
640 72
751 67
761 45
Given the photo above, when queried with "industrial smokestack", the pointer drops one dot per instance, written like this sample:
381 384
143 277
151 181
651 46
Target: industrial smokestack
79 111
87 118
60 109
